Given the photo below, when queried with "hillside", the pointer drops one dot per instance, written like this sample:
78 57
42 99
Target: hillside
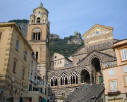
66 46
61 46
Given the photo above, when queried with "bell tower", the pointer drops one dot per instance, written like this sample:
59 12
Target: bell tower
38 38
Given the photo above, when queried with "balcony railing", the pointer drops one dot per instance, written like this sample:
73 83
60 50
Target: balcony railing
110 93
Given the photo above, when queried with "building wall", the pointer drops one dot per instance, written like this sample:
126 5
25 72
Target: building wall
117 74
118 55
58 61
4 49
116 71
15 82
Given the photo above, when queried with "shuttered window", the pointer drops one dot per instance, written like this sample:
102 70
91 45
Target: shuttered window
125 68
123 53
125 80
113 85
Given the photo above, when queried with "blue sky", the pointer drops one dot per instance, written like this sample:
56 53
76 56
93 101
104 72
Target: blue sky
69 16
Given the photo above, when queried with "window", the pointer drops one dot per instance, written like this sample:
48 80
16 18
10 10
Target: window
125 68
113 85
76 79
32 53
51 82
36 55
71 80
23 74
56 82
125 80
32 21
123 53
66 81
61 81
0 35
36 35
38 20
14 66
17 45
25 55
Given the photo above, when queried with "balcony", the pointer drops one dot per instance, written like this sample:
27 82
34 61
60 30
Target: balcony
112 93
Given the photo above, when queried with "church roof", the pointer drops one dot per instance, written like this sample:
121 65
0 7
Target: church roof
86 93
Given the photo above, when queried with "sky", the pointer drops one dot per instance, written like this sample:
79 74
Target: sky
69 16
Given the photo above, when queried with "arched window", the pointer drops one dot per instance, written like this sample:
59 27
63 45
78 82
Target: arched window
38 20
56 82
98 78
51 82
76 79
96 64
85 77
66 81
73 79
61 81
36 55
36 35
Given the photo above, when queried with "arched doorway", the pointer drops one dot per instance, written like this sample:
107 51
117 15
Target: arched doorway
85 77
98 78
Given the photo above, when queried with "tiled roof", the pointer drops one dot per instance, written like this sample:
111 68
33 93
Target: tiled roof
86 93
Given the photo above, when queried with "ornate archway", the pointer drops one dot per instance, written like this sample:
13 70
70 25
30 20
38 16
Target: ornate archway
85 76
97 73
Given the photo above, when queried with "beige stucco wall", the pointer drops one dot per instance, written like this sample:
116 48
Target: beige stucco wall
118 55
58 60
8 53
119 75
4 48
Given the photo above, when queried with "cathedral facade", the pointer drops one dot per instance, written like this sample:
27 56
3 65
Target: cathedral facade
86 63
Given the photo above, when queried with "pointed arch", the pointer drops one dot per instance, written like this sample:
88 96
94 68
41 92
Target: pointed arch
61 81
71 80
85 76
51 82
66 81
76 79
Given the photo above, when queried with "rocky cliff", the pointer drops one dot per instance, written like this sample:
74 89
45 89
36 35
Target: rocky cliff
75 39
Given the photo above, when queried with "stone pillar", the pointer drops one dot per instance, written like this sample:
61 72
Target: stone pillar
91 80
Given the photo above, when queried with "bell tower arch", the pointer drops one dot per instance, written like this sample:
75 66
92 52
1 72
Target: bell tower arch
38 38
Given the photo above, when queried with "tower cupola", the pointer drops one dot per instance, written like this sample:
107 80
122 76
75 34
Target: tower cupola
39 16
